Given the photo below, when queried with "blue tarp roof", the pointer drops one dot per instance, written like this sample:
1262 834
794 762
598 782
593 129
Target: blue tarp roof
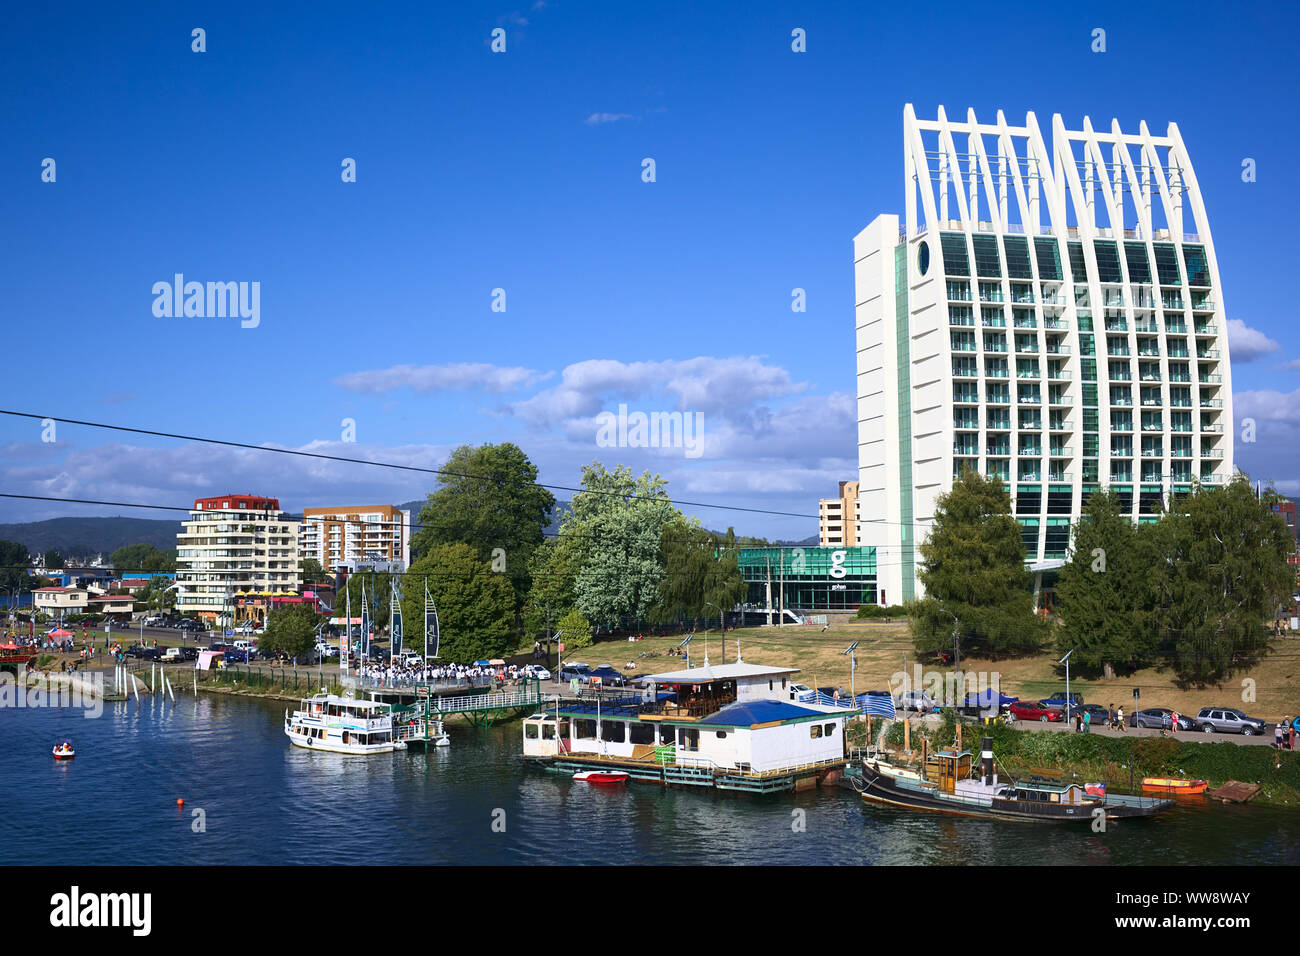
759 712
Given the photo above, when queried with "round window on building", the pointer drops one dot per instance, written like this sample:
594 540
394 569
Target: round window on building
923 257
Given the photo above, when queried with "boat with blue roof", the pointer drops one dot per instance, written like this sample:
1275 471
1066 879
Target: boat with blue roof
732 726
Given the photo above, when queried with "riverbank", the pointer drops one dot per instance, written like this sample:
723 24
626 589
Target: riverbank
1121 762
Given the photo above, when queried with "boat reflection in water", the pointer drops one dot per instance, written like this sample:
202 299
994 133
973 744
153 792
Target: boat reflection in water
954 790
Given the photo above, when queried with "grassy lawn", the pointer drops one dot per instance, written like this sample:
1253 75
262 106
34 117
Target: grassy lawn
883 649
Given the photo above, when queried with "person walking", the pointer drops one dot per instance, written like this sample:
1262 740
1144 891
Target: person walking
1173 722
1119 719
1087 722
1277 733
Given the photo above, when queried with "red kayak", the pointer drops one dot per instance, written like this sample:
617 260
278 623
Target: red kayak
601 777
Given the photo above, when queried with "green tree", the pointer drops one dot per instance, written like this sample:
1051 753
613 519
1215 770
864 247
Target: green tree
376 585
291 630
142 557
1105 590
52 560
577 631
488 499
476 610
550 596
700 569
973 569
616 528
1220 577
14 562
313 573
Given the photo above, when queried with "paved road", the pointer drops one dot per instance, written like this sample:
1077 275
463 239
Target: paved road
1194 736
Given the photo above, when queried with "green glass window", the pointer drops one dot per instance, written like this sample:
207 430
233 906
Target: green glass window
1139 268
1059 499
1090 395
1090 445
1049 258
987 263
1088 367
1090 419
1057 538
955 261
1029 499
1167 264
1029 535
1086 346
1198 269
1108 269
1017 248
1078 262
1090 471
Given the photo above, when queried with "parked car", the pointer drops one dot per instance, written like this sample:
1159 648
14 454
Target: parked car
915 700
536 670
1031 710
1057 701
1098 716
575 670
986 700
1229 720
156 620
1161 718
326 650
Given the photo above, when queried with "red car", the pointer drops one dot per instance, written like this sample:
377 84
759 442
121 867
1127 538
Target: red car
1031 710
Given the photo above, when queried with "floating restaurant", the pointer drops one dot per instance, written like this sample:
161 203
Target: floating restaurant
730 727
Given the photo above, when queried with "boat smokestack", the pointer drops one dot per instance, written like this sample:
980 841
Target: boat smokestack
986 761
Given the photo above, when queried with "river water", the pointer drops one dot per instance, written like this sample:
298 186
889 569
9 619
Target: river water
263 801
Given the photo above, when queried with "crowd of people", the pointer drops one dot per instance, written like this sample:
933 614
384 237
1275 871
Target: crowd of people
392 673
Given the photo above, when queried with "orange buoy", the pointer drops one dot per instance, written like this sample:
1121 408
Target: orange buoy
180 802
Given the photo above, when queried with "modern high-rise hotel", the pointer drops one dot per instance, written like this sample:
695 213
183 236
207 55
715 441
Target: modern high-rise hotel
1048 315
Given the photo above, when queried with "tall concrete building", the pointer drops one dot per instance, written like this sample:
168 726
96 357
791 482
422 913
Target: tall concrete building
351 535
233 555
839 519
1051 316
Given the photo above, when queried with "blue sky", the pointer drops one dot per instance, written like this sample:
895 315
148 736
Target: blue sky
522 171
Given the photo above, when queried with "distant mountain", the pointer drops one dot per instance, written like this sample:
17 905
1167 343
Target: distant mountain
84 538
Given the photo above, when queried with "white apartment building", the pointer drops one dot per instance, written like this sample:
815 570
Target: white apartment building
1049 315
234 554
355 534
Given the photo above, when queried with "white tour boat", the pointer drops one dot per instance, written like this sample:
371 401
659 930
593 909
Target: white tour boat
342 725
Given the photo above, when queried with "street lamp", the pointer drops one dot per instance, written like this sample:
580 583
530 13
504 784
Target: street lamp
853 667
723 627
1066 661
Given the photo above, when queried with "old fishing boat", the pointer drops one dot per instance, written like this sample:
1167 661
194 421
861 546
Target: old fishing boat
949 786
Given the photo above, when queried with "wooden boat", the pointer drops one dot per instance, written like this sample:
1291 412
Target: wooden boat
600 777
63 750
1175 785
954 789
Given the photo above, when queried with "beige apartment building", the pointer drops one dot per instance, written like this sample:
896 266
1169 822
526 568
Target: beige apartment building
840 519
234 554
353 534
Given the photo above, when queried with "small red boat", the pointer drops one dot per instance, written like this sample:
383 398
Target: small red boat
1178 786
63 750
601 777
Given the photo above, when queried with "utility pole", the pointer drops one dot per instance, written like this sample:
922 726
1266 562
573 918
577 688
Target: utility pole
1066 661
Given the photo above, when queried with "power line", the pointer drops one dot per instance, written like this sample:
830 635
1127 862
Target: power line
383 464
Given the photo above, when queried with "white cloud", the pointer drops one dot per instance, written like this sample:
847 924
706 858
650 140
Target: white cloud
599 119
699 384
1291 366
1246 344
463 376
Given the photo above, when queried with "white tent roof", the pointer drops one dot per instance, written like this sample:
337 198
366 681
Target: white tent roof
696 675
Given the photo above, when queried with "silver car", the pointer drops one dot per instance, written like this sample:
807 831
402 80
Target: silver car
1227 720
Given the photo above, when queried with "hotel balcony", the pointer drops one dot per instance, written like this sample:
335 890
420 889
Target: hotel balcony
1211 403
1146 325
1211 453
